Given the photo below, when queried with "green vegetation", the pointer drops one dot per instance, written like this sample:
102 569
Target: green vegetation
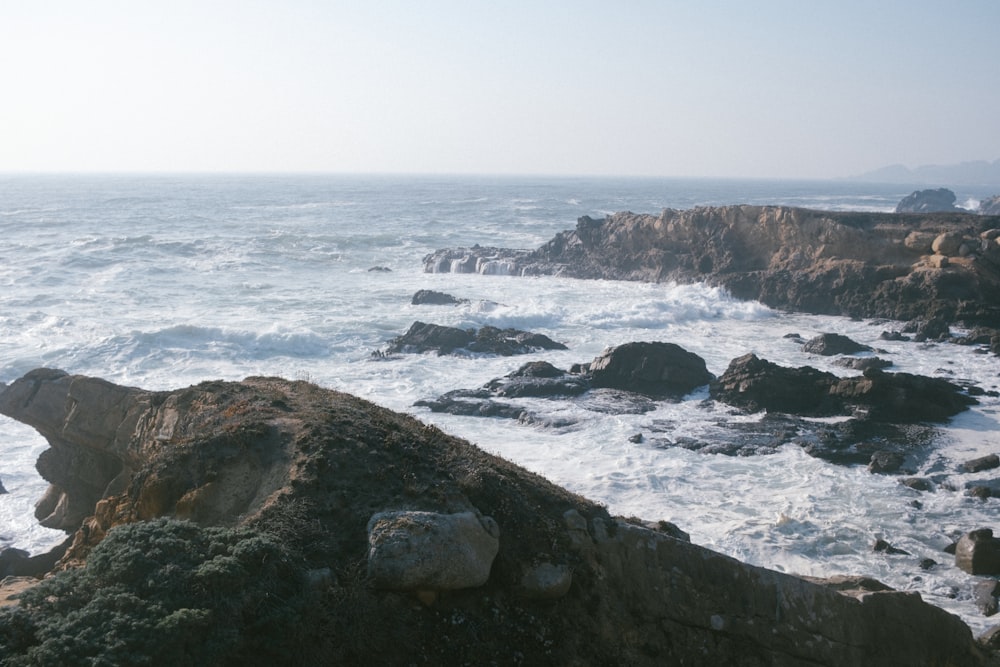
165 592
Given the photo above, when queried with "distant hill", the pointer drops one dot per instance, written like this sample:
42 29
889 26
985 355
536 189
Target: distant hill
977 172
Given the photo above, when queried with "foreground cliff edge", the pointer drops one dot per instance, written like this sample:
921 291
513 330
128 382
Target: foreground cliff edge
419 548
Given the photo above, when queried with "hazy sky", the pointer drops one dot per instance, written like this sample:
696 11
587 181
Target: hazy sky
764 88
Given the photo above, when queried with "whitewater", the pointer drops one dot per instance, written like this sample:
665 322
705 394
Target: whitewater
161 282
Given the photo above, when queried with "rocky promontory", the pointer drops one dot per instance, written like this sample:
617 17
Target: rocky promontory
366 537
900 266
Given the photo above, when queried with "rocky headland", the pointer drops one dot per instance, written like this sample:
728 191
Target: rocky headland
908 266
392 543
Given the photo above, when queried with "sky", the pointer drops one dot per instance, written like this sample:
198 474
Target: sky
707 88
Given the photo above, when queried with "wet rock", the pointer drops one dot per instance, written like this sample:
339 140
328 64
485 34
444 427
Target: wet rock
917 483
433 298
903 397
893 336
829 344
934 328
987 462
538 378
927 563
2 489
655 369
881 546
987 596
862 363
756 384
928 201
979 491
636 438
978 552
380 269
422 337
885 463
428 551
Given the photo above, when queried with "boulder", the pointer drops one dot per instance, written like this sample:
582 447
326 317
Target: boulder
902 397
988 462
928 201
429 551
546 581
978 552
655 369
885 463
948 244
829 344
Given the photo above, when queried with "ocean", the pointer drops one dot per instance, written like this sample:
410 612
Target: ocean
161 282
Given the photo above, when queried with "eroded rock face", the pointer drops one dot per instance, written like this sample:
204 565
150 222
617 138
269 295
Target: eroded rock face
823 262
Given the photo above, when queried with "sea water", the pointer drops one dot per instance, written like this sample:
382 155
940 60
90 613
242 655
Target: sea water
161 282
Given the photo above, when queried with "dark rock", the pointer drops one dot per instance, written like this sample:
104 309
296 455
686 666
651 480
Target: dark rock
380 269
987 462
2 489
978 552
951 548
927 563
431 297
881 546
918 483
422 337
986 594
538 378
903 397
885 463
829 344
862 363
636 438
655 369
894 336
979 491
928 201
19 563
933 329
990 640
756 384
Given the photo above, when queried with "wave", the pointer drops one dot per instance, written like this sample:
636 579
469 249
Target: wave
194 340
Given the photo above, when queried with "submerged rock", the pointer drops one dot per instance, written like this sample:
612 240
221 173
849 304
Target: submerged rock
434 298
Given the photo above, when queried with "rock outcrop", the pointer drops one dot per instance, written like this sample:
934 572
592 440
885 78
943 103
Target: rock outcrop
568 583
424 337
928 201
835 263
757 384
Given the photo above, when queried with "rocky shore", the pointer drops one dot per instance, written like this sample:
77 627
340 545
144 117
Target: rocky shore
900 266
395 544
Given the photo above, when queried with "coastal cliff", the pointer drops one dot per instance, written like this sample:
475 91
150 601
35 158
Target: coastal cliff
516 570
900 266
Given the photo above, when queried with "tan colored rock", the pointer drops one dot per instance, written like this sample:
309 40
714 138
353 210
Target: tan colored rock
947 244
919 242
428 551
